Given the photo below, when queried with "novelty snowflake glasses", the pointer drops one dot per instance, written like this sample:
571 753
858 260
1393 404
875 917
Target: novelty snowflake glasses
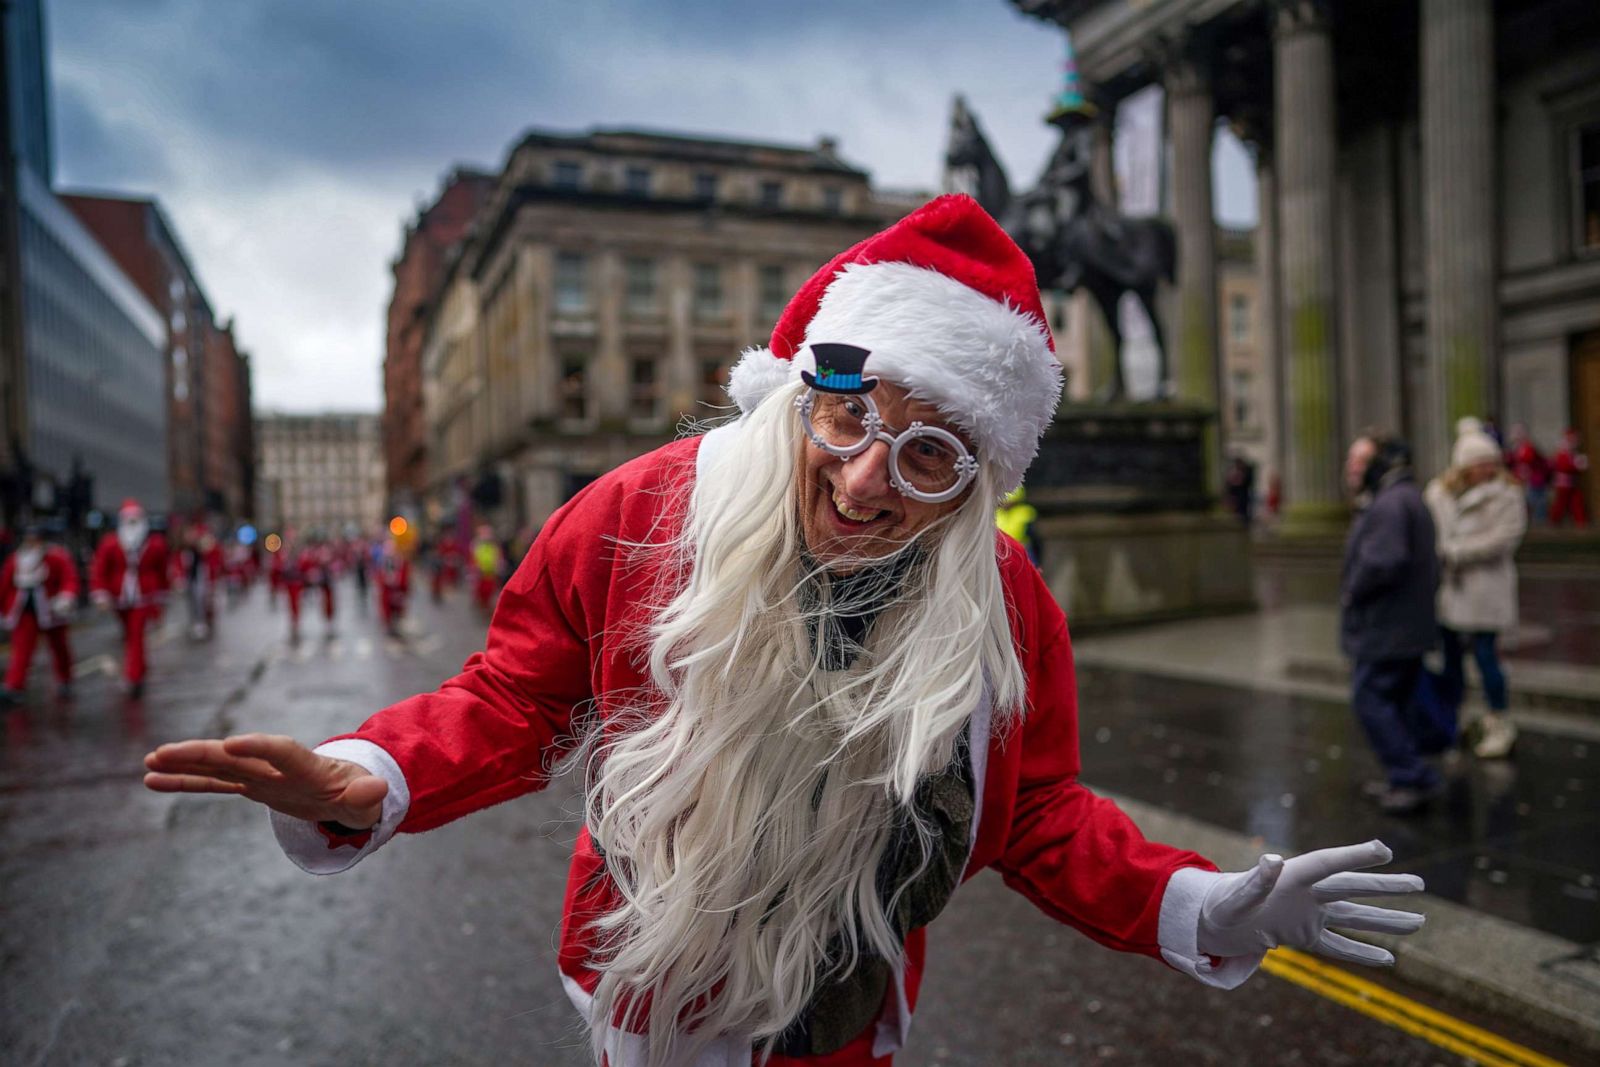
926 463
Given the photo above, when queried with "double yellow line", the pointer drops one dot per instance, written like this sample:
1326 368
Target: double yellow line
1403 1013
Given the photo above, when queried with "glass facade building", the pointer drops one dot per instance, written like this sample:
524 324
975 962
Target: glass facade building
94 352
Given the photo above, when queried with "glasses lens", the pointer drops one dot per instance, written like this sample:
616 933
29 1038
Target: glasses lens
929 463
839 420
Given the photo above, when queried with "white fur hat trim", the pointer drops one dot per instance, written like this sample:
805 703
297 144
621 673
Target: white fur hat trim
985 364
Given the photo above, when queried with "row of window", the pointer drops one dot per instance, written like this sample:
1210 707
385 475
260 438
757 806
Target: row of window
772 194
645 392
642 288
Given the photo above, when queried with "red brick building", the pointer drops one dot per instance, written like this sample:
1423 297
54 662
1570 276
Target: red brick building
418 272
210 449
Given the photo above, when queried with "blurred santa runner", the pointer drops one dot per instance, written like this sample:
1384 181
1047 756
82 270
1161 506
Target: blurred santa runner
130 576
38 593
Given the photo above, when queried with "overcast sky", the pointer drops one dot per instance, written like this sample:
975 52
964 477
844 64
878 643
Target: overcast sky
290 140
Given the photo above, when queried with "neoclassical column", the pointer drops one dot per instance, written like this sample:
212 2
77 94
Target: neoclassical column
1267 269
1304 142
1193 338
609 373
1458 183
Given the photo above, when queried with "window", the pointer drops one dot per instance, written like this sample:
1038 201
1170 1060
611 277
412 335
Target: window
772 195
1242 382
641 294
636 181
1239 317
1588 183
713 383
705 186
772 293
572 282
643 389
574 394
567 175
707 290
833 199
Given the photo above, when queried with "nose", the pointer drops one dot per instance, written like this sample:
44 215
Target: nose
866 476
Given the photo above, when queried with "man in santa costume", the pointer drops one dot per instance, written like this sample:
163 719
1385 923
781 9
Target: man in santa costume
813 688
394 584
38 594
199 568
129 575
1567 467
314 567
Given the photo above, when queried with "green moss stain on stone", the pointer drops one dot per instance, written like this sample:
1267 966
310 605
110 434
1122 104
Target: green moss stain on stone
1314 441
1197 357
1465 377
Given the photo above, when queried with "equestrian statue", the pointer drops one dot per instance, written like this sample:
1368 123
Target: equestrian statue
1072 238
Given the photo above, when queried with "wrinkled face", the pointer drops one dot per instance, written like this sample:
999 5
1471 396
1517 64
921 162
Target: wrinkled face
1356 463
849 511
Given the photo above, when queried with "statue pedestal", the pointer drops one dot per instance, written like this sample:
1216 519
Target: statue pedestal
1129 529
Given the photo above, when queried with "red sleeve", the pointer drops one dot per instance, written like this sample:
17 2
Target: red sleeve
489 734
1077 856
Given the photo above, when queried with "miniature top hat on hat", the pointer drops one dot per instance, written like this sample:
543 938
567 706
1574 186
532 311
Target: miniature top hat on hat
839 369
948 307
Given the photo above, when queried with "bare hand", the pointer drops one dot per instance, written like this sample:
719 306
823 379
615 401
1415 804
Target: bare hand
272 770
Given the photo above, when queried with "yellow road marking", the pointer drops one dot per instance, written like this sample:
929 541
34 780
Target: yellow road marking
1403 1013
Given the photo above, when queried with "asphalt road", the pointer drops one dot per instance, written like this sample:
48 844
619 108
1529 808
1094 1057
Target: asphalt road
148 929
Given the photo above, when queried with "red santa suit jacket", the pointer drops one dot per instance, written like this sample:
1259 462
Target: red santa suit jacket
60 577
486 736
141 586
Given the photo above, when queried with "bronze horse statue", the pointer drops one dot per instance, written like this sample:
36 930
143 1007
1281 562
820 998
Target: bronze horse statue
1073 240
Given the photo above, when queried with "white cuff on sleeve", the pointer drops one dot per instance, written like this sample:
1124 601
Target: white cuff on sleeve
1180 927
309 849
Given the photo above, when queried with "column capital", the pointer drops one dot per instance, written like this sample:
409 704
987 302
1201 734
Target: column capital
1290 17
1184 61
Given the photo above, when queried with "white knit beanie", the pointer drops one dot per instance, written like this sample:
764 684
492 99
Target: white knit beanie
1474 447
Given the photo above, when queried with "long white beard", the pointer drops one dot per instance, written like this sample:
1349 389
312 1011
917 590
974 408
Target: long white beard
131 534
30 569
744 806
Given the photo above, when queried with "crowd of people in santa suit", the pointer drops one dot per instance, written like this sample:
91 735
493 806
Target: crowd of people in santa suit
1553 484
137 569
132 574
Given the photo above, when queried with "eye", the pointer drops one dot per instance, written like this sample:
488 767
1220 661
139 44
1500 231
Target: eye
855 408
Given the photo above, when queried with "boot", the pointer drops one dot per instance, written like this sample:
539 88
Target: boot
1497 737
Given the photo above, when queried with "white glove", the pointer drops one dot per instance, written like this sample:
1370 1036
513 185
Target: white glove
1293 902
64 604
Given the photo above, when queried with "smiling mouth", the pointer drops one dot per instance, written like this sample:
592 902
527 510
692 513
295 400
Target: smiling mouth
855 516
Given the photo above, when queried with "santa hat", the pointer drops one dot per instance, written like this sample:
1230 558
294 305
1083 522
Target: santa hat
947 306
130 509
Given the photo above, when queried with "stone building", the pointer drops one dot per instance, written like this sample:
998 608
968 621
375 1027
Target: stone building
210 457
418 270
81 349
604 291
320 472
1429 181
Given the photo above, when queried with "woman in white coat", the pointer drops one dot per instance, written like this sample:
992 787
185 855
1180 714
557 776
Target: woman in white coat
1479 511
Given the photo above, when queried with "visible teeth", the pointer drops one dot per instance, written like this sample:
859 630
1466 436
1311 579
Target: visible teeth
851 513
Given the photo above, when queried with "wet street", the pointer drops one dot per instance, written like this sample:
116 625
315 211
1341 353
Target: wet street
151 929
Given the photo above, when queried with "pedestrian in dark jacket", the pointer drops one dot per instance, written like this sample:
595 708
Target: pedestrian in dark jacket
1386 598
